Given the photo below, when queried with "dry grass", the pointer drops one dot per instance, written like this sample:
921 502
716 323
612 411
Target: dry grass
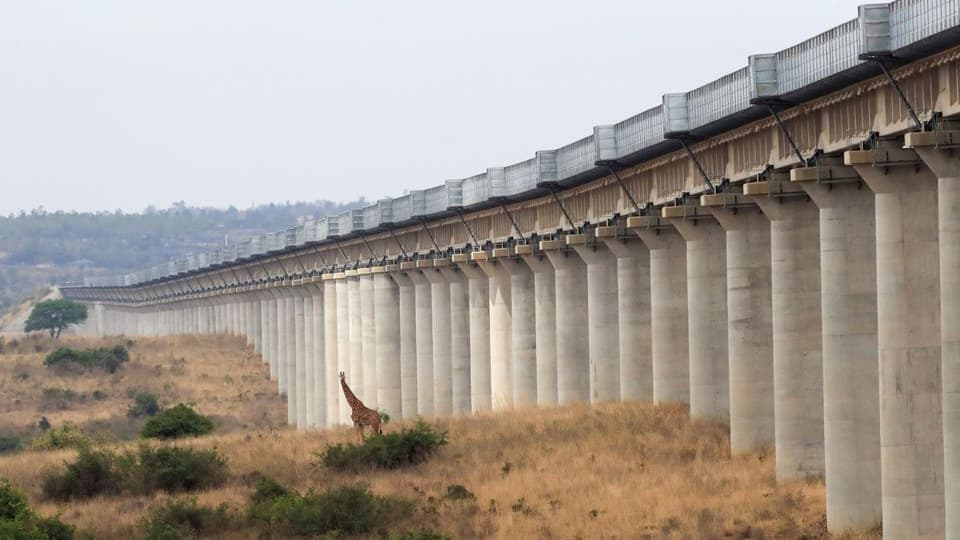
221 376
617 470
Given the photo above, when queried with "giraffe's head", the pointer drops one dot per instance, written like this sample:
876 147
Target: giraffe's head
342 376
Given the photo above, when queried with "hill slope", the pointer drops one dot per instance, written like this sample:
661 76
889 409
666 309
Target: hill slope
615 470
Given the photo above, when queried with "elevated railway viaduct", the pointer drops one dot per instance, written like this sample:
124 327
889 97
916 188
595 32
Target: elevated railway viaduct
779 248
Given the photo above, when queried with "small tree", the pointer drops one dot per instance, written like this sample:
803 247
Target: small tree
55 315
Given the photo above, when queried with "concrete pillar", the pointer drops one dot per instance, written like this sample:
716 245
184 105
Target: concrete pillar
331 347
570 278
706 311
282 331
295 380
387 328
442 353
424 329
523 333
355 373
479 292
407 305
908 321
668 306
848 299
603 324
309 374
938 150
343 344
273 350
318 366
797 360
459 338
749 326
501 331
633 306
369 337
545 316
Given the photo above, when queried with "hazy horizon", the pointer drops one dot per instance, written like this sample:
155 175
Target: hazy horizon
115 105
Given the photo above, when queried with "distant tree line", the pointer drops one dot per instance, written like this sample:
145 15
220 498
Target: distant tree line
40 247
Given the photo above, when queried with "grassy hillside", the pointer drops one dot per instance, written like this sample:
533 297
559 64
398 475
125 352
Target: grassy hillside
617 470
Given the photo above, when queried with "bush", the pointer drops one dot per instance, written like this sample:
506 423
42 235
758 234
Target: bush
174 469
388 451
347 510
184 518
178 421
10 444
101 472
95 472
66 436
108 359
53 393
266 490
17 520
419 534
144 404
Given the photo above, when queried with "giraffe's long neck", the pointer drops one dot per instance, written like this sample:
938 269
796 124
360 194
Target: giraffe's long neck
347 393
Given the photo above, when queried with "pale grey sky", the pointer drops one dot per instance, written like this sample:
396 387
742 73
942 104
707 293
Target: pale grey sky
123 104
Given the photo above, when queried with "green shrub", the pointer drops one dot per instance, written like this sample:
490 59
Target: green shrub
144 404
266 490
178 421
54 393
347 510
18 521
419 534
10 444
66 436
183 518
108 359
388 451
101 472
99 395
174 469
94 472
13 503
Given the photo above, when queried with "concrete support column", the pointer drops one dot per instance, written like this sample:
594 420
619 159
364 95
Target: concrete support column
603 319
545 315
424 329
273 345
368 335
848 299
938 150
797 360
343 344
282 330
570 279
523 333
501 332
309 380
318 353
331 347
407 306
442 348
749 326
908 321
296 377
459 338
706 311
355 373
479 291
633 306
253 319
386 295
668 304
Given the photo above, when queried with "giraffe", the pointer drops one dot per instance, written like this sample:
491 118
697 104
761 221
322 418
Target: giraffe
361 415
